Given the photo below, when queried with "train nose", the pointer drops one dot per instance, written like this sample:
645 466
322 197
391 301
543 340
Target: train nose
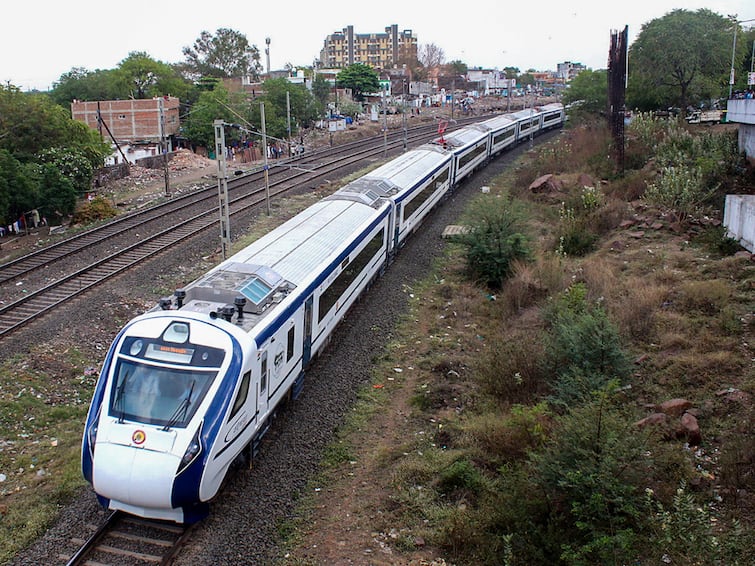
139 472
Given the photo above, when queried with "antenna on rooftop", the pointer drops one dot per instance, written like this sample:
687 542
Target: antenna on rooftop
267 54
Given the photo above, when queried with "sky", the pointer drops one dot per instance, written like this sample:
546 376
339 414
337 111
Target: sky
42 39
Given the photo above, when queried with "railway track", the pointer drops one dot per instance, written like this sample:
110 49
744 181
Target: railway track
190 215
125 539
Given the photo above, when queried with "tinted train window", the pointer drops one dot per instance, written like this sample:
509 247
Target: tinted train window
420 198
338 287
243 393
290 345
482 148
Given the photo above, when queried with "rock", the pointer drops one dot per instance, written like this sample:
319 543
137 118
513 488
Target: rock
652 419
690 428
674 407
585 180
545 184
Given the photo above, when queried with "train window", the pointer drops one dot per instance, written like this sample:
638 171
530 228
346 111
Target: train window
263 373
339 285
242 395
419 199
290 345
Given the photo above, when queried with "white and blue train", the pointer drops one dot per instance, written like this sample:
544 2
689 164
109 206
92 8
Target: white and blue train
191 385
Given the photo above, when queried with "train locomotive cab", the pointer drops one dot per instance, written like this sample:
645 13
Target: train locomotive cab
150 445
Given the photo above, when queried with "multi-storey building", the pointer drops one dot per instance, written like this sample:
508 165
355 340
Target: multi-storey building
568 70
131 121
379 50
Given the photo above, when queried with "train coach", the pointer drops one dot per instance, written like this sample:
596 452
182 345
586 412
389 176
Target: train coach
188 387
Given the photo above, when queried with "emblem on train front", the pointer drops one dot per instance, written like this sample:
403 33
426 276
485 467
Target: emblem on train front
138 437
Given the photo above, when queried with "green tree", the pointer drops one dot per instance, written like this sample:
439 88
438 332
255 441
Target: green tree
511 72
590 89
72 164
140 77
13 183
225 54
302 104
680 58
321 89
456 68
217 104
56 194
81 84
31 123
360 78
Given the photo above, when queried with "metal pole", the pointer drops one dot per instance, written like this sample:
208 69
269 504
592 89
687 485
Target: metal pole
453 97
733 52
225 219
264 152
164 146
288 122
403 113
385 123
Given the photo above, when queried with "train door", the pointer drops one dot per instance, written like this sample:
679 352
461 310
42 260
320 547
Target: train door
307 349
263 384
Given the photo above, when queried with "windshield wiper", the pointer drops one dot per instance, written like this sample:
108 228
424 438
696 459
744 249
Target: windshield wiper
180 413
118 404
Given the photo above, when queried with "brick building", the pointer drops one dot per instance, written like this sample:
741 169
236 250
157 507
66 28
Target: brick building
379 50
130 121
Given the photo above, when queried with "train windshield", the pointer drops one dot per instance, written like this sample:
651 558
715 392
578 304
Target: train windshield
159 395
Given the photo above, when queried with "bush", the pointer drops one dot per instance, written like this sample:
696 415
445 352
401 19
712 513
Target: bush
591 478
509 372
583 351
98 208
494 241
680 190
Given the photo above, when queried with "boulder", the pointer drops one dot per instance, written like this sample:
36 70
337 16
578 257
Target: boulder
546 184
689 428
652 419
674 407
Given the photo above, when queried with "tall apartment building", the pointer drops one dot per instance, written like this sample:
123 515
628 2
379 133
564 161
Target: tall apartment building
379 50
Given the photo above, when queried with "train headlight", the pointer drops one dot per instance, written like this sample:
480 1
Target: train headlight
92 432
193 450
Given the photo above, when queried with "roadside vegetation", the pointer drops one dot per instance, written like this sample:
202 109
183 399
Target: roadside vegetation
578 372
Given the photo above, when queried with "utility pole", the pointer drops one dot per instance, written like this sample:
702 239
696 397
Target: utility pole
288 122
453 97
164 145
225 219
403 105
385 122
264 152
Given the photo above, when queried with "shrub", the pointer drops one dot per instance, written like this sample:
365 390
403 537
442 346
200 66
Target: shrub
461 475
591 478
96 209
509 372
511 437
680 190
495 239
582 349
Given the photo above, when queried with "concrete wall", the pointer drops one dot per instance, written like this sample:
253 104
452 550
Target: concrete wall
739 220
